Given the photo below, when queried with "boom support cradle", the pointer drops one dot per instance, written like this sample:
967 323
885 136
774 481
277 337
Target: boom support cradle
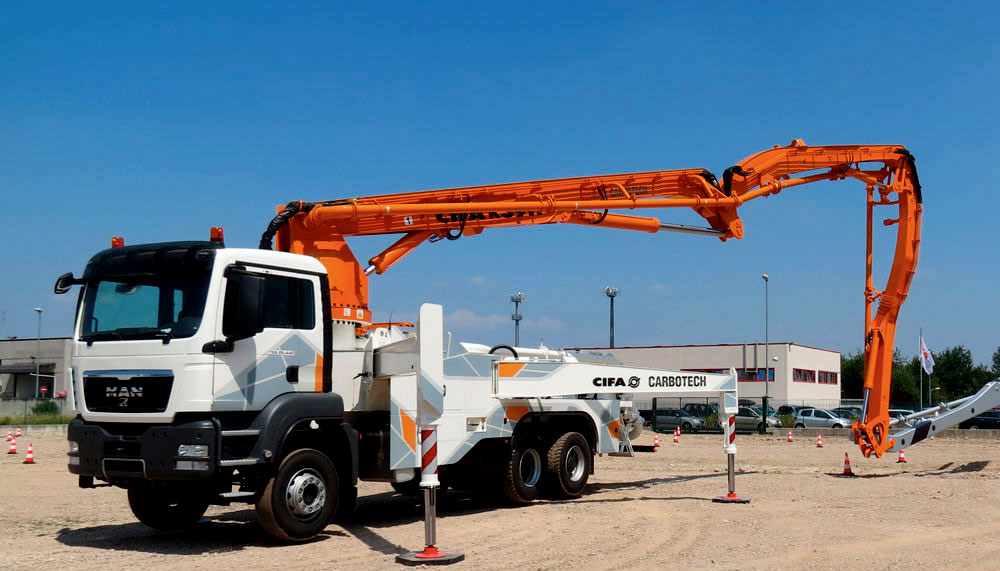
319 229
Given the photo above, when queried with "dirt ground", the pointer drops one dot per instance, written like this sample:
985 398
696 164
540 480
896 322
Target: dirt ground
940 510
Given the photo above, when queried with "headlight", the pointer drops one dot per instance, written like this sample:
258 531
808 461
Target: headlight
74 447
193 450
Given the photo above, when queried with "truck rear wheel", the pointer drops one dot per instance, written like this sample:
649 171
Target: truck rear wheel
162 512
568 465
299 501
524 472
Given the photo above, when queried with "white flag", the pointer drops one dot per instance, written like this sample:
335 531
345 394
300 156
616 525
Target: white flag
926 359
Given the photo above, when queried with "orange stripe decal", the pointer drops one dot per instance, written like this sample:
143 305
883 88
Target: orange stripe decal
319 373
516 413
409 427
615 427
509 369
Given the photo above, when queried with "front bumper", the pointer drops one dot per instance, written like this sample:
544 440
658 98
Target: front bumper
151 455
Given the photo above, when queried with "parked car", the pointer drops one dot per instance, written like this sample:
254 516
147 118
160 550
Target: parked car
770 410
989 419
703 410
670 418
819 418
749 419
847 411
791 409
899 412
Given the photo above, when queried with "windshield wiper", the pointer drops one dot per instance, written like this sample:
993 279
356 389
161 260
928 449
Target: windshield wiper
101 336
164 334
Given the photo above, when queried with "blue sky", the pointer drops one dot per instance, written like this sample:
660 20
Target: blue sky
155 122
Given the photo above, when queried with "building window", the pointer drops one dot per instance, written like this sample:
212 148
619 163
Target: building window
754 375
827 377
803 376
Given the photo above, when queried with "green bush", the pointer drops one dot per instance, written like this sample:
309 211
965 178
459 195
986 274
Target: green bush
45 407
21 420
712 422
787 420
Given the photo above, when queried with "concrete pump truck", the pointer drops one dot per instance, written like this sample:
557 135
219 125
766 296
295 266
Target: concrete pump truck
206 375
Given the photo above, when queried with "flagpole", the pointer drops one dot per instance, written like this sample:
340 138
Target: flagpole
920 367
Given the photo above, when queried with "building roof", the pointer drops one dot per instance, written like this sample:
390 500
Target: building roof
688 346
16 369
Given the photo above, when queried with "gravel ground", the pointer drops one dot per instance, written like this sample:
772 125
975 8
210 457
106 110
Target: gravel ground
939 510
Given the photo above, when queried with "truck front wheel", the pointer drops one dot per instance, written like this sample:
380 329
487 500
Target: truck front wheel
299 501
159 511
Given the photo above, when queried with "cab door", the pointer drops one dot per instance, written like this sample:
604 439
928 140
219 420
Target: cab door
286 355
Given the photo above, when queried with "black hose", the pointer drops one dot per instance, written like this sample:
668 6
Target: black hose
727 178
507 347
912 161
291 209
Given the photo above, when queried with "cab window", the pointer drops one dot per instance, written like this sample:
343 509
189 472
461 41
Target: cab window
289 303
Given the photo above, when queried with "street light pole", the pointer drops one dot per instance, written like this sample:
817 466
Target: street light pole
612 292
767 392
517 298
38 349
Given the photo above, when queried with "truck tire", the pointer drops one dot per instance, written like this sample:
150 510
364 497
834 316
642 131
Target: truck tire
524 473
152 508
299 501
568 465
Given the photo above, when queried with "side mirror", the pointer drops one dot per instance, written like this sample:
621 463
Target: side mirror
65 282
244 308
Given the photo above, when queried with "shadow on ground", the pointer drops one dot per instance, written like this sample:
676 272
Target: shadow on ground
238 529
222 533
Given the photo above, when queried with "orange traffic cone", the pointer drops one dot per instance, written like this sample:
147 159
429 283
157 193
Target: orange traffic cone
676 438
29 458
678 431
902 457
790 436
847 466
10 436
18 434
819 441
656 441
13 446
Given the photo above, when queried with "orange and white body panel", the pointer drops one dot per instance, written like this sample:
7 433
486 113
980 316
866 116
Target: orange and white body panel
471 395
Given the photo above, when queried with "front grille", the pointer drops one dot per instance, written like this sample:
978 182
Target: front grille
122 449
123 393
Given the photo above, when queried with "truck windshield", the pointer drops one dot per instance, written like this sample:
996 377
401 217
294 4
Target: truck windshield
143 307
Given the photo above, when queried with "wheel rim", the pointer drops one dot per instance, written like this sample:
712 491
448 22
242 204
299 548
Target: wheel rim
530 467
305 494
575 463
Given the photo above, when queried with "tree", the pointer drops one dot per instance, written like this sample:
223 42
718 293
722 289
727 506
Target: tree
955 374
996 364
904 390
852 375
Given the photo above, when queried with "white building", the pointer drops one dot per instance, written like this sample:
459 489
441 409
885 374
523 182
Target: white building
797 374
20 388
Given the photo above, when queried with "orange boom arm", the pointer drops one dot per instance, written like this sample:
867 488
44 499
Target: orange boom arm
318 229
